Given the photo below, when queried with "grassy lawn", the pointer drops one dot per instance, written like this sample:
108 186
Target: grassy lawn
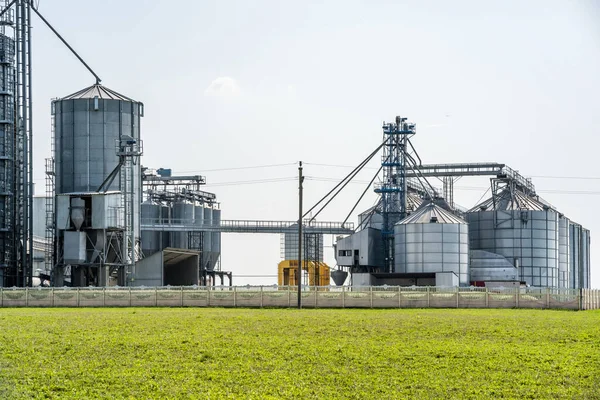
279 353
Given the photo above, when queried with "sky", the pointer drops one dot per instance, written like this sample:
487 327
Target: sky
233 85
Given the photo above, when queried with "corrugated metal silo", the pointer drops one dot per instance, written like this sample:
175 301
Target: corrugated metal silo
523 230
432 240
207 256
151 240
87 125
183 213
216 236
579 256
563 252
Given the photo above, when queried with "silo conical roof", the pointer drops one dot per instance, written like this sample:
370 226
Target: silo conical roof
509 202
432 213
99 91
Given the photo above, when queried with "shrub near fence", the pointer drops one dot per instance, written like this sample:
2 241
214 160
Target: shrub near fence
313 297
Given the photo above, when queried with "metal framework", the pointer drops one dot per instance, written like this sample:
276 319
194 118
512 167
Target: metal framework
393 188
450 173
16 205
129 151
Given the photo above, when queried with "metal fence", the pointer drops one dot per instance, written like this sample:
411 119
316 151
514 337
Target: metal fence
312 297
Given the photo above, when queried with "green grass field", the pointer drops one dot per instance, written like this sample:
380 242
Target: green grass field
286 353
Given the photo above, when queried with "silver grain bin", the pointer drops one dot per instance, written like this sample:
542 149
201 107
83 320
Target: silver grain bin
183 214
87 125
151 240
216 236
523 230
432 240
579 256
207 256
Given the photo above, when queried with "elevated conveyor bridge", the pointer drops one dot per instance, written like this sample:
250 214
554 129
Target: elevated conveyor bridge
248 226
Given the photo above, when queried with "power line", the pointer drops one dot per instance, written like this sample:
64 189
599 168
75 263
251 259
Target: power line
252 182
239 168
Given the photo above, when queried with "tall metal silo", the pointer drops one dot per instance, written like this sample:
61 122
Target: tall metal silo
586 267
563 252
151 240
432 240
207 255
579 256
216 236
183 213
87 125
523 230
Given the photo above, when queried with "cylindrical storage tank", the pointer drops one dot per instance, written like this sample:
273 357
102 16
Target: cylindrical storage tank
432 240
199 215
183 214
579 256
207 259
575 260
523 230
585 258
87 125
150 213
216 236
165 217
563 252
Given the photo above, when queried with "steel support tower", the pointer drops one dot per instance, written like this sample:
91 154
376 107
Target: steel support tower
16 204
393 187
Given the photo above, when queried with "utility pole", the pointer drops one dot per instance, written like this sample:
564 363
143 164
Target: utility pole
299 274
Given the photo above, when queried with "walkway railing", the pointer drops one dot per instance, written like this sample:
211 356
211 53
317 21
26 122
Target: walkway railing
312 297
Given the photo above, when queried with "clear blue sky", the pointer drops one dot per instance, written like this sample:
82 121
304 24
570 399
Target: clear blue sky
236 84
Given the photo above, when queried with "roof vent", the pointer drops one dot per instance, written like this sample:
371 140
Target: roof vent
433 220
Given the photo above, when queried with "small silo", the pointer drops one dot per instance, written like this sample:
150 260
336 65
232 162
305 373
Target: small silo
207 256
431 240
563 252
151 240
579 256
216 236
87 125
523 230
183 214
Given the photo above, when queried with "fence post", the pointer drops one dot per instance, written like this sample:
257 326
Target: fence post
52 294
235 296
26 297
547 297
517 295
457 296
77 297
487 298
343 297
316 297
289 297
371 291
103 297
129 296
181 296
261 296
208 295
399 296
155 296
1 297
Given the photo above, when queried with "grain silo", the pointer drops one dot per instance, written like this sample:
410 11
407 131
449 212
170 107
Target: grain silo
523 230
431 240
87 127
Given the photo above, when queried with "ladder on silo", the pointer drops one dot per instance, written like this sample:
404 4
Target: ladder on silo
50 223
